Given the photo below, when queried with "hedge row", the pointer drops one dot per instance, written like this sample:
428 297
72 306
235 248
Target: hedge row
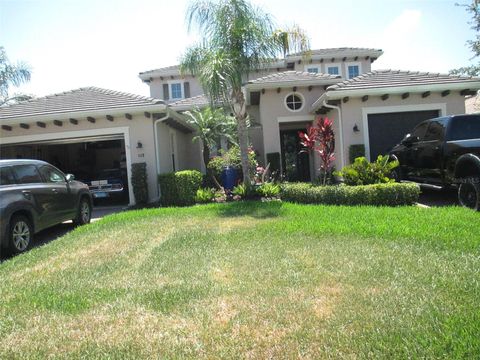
179 188
393 194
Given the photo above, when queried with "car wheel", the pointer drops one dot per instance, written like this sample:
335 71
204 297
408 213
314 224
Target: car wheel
469 194
20 234
84 213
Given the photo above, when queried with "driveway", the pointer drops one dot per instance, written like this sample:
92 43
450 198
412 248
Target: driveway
50 234
431 197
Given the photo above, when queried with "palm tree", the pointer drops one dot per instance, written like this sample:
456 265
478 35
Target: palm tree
11 75
237 38
211 124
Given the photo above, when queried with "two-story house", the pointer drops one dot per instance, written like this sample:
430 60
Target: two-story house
373 108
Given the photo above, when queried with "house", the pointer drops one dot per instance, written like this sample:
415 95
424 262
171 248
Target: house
375 108
87 130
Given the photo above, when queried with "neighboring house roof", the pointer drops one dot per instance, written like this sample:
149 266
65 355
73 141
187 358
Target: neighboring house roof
83 100
288 78
340 52
379 82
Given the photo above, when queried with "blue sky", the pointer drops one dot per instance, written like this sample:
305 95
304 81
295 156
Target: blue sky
106 43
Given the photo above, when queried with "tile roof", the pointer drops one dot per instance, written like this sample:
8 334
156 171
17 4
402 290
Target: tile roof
294 76
341 51
195 101
83 99
167 69
395 78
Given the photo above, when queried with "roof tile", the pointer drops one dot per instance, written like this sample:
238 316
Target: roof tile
82 99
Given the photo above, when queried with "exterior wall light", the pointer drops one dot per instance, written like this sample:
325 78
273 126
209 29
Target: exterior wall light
139 145
355 128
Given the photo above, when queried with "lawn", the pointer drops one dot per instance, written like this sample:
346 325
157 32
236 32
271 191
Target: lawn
250 280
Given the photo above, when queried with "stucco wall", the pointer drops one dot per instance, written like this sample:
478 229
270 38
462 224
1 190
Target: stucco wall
156 86
273 111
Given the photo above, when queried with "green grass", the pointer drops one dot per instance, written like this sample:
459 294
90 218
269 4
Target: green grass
250 280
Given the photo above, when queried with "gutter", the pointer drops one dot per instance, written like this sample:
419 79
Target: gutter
340 125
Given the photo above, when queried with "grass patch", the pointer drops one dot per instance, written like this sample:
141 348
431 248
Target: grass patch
250 279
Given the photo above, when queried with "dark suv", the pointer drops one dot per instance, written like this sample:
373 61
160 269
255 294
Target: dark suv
443 152
35 195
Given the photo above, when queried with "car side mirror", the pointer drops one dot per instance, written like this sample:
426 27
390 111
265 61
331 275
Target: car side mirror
70 177
409 139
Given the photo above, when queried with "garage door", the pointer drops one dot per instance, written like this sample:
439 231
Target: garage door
99 161
388 129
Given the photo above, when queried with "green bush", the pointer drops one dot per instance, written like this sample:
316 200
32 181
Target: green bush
139 183
391 194
245 191
268 190
205 195
355 151
362 172
231 158
179 188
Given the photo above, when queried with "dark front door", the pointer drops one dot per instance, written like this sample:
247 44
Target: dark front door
388 129
295 164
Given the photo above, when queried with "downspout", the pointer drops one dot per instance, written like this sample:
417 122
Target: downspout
157 154
340 125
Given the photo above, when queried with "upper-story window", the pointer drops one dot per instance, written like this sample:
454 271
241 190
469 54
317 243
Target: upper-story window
333 70
312 70
353 70
176 90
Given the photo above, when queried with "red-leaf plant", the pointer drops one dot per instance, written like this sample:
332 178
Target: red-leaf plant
321 139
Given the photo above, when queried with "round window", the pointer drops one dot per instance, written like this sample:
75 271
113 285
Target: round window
294 102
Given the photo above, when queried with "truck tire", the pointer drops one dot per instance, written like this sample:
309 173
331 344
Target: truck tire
469 194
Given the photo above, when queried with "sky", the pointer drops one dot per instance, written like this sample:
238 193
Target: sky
106 43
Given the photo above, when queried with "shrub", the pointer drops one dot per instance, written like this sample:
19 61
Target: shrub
205 195
362 172
179 188
231 157
390 194
268 190
139 182
356 151
245 191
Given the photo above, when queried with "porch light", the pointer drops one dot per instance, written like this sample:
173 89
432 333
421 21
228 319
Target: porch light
355 128
139 145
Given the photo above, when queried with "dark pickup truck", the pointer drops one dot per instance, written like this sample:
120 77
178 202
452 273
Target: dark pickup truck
443 152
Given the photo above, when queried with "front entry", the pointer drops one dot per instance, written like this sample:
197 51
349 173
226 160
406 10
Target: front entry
295 164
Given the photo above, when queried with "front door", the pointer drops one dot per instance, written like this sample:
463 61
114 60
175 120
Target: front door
295 164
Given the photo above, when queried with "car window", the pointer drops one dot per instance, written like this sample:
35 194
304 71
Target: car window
464 127
6 176
419 130
51 175
436 130
27 174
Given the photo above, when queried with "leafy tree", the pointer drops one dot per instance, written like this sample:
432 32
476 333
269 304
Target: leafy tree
237 38
12 75
473 70
211 124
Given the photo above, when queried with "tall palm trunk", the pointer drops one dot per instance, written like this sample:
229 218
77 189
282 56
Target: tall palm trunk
240 112
206 155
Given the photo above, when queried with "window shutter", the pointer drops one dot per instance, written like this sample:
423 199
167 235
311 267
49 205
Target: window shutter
165 92
186 89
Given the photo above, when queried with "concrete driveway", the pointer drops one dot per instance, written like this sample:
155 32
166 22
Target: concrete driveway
50 234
